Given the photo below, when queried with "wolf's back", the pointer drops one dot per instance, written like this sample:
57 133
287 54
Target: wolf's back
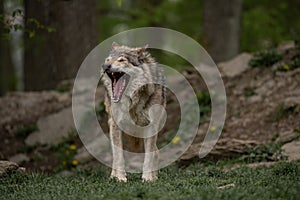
157 76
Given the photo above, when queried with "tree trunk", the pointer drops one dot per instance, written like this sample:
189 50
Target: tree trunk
222 24
53 57
7 71
1 53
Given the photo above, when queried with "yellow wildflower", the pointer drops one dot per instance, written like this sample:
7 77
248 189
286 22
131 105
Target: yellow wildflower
176 139
213 128
73 147
67 152
286 67
75 162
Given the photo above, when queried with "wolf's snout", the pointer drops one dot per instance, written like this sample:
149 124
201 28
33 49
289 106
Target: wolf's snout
106 66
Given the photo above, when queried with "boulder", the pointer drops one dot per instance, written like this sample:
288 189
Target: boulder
235 66
292 150
19 158
28 107
7 167
282 47
52 129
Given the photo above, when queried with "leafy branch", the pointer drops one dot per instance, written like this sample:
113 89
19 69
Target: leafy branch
11 22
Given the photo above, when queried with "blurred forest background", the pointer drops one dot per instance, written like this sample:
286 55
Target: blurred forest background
255 44
44 42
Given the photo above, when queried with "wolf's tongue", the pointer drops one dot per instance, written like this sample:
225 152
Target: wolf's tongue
119 87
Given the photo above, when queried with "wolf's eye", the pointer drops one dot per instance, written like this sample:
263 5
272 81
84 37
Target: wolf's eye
122 59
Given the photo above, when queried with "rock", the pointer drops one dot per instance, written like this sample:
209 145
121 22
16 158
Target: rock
266 88
25 108
292 150
52 129
19 158
9 167
292 101
285 46
255 98
286 136
225 148
235 66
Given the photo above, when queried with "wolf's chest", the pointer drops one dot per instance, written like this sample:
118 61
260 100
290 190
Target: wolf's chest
121 107
124 111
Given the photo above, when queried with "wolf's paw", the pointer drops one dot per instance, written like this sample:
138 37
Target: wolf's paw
120 176
149 176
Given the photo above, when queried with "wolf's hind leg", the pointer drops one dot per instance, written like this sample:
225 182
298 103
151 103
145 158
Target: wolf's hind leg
118 165
150 166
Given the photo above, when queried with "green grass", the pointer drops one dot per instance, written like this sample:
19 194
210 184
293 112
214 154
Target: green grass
198 181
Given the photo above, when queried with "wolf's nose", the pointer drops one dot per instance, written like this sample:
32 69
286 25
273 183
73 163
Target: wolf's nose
106 66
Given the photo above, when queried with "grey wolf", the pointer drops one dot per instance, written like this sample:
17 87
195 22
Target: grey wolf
126 70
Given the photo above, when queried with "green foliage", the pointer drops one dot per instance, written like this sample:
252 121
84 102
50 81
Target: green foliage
138 13
265 58
24 131
9 24
260 153
142 13
66 154
119 2
169 59
284 61
66 151
266 23
204 104
280 181
294 61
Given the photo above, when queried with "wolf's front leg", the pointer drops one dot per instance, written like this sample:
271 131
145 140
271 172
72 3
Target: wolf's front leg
150 166
118 165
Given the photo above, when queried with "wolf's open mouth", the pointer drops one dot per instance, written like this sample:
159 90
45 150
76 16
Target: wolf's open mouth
119 81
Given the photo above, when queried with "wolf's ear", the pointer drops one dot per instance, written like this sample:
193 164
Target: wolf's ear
114 45
146 46
141 49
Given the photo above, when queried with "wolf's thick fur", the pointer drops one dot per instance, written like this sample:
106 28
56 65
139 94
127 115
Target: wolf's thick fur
142 69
